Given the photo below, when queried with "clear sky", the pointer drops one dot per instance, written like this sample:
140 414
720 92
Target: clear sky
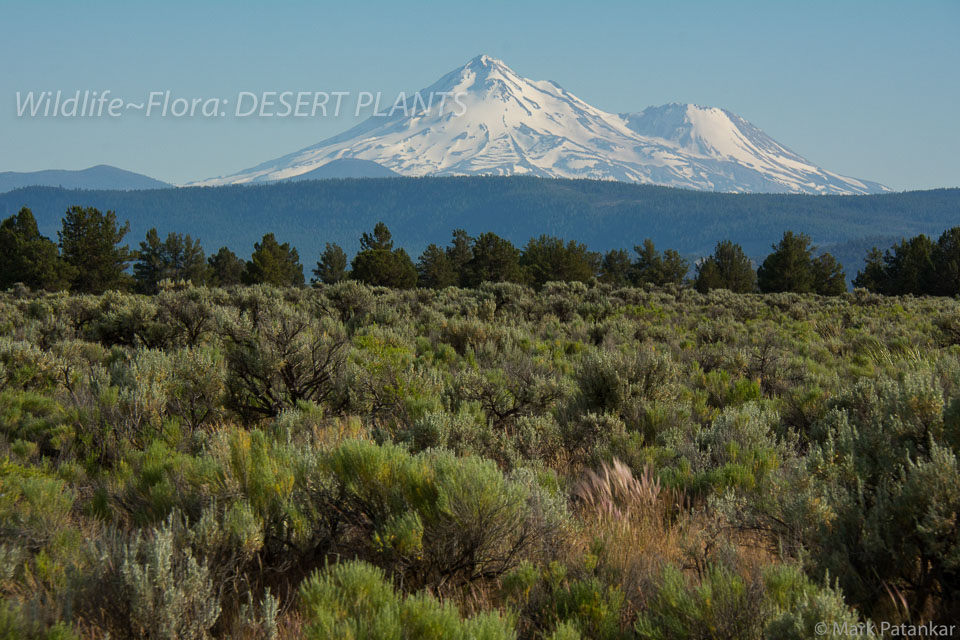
864 88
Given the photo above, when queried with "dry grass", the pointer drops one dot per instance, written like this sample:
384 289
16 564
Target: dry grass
634 527
616 492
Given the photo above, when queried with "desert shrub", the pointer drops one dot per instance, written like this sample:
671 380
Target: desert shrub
586 435
355 600
622 384
804 449
171 595
25 366
198 385
350 300
146 585
517 388
739 450
724 390
795 604
190 314
17 622
143 384
33 506
264 473
130 320
555 603
871 501
437 519
38 419
723 606
591 607
385 384
278 357
161 479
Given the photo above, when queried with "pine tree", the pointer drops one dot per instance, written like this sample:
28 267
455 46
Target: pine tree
792 267
615 268
332 266
379 264
947 263
460 252
728 268
27 257
383 268
910 267
547 258
435 269
789 267
874 274
828 276
274 263
652 267
90 244
494 260
226 269
380 240
178 257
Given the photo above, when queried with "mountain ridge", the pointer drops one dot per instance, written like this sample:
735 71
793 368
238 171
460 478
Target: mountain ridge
101 176
511 125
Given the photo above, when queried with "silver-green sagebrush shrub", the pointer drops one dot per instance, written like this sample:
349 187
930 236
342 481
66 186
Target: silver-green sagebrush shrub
146 585
170 592
350 301
623 384
874 502
24 366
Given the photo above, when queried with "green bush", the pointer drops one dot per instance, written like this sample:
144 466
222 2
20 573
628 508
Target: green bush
278 357
722 606
354 600
435 518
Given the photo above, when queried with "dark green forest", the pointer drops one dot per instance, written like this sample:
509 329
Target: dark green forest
91 257
421 211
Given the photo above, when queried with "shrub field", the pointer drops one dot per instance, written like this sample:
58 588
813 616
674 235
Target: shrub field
580 461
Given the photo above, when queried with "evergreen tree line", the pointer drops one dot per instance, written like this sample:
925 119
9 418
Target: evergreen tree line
89 258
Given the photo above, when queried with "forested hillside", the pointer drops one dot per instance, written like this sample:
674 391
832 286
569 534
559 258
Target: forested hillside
420 211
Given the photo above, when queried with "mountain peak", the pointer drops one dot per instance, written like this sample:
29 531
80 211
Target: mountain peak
482 71
483 60
501 123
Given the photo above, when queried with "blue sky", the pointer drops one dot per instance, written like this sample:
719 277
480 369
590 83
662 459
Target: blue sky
869 89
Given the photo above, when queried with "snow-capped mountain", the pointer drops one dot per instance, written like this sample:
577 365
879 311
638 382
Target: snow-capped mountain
495 122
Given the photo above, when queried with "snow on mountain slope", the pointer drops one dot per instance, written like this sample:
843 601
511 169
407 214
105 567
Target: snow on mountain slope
503 124
744 157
